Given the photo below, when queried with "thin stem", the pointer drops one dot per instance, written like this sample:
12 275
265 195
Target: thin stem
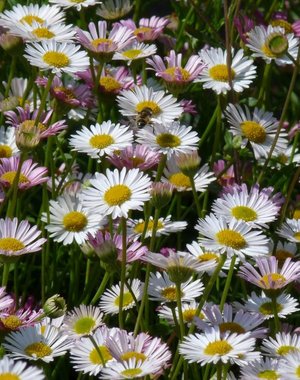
199 210
161 166
44 99
228 282
101 288
218 132
209 127
6 267
289 194
15 186
92 339
276 318
263 87
179 308
123 272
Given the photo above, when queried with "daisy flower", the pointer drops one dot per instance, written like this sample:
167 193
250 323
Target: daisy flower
253 207
137 50
189 310
6 301
128 369
290 366
10 369
117 192
82 321
285 305
18 238
170 138
265 368
57 57
114 9
109 302
284 251
290 230
13 318
164 107
212 347
8 145
272 43
68 222
215 73
31 174
78 4
164 227
149 29
30 343
234 238
101 139
283 344
259 129
162 289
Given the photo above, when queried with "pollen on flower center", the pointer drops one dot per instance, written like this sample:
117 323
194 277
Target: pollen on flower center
177 73
136 161
11 244
109 84
133 355
219 347
169 293
127 299
5 151
117 195
10 177
132 53
12 322
220 73
253 131
283 24
75 221
139 227
167 140
143 29
148 104
188 315
245 213
180 180
9 376
101 141
56 59
29 19
232 239
38 349
131 373
298 371
69 94
232 327
28 127
95 357
297 235
283 350
268 374
268 279
84 325
208 256
267 308
43 33
101 41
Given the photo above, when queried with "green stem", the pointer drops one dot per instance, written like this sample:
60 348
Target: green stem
276 318
228 282
179 308
5 274
44 99
123 272
198 207
15 186
289 194
101 288
218 132
209 127
264 85
219 370
161 166
92 339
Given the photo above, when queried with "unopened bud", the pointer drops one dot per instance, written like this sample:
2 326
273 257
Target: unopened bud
11 44
161 194
55 306
27 135
188 163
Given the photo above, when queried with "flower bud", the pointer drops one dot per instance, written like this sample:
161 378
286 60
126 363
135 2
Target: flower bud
161 194
188 163
55 306
27 135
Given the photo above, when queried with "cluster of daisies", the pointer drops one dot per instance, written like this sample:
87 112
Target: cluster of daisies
100 163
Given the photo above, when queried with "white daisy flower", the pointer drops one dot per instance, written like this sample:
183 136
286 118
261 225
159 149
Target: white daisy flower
68 222
82 320
164 227
114 9
265 368
284 250
188 312
272 44
57 57
290 366
162 289
101 139
212 347
17 370
8 147
117 192
283 344
290 230
169 138
259 129
29 343
215 74
234 238
78 4
253 207
129 369
164 108
262 304
110 299
137 50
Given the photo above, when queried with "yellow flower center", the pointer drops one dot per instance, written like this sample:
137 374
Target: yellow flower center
99 41
283 24
296 214
77 1
283 350
267 308
167 140
11 322
133 355
232 327
298 372
169 293
281 254
110 84
142 29
131 373
43 33
219 347
172 71
117 195
253 131
56 59
5 151
132 53
207 256
188 315
127 299
148 104
276 45
245 213
84 325
139 227
136 161
101 141
232 239
29 19
180 180
28 126
220 73
268 374
10 176
272 277
297 235
67 91
38 349
75 221
95 357
9 376
11 244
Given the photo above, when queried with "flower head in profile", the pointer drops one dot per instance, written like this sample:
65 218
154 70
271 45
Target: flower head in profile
19 370
8 145
149 29
290 230
114 9
78 4
134 51
262 369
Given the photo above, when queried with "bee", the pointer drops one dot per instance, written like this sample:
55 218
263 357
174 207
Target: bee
144 117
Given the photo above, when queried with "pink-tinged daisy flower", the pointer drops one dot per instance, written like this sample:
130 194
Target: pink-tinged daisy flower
135 156
234 238
8 145
17 370
114 9
265 368
78 4
18 238
17 90
134 51
283 344
100 43
129 369
26 118
269 276
164 108
31 174
243 25
149 29
227 178
6 300
14 318
290 230
117 192
215 73
175 75
238 322
214 347
188 107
